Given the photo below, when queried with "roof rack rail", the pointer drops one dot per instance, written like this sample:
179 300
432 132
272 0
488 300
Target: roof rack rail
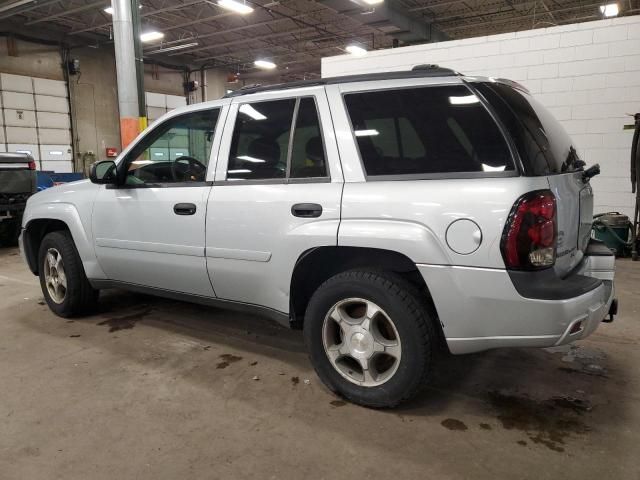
418 71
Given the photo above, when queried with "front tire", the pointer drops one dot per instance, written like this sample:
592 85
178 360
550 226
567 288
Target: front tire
64 284
370 338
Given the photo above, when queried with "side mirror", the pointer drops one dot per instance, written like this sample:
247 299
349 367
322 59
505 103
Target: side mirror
103 172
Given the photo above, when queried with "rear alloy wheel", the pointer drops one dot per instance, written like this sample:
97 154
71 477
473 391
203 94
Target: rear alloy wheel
361 342
370 337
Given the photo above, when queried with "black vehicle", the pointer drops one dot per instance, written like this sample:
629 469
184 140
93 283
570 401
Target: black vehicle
17 184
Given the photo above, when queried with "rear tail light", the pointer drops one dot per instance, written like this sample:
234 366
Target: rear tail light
529 237
32 165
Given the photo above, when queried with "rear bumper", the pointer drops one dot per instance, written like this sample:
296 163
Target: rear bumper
480 308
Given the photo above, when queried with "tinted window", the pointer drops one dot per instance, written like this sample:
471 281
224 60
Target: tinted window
426 130
307 153
260 141
176 151
543 144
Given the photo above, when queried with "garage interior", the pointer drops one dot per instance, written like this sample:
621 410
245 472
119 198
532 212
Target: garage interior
155 388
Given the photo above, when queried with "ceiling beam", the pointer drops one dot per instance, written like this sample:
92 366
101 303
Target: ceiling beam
144 14
65 13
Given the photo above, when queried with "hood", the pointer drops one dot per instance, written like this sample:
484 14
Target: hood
65 193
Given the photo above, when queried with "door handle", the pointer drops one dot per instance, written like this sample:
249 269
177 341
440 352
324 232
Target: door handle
306 210
184 209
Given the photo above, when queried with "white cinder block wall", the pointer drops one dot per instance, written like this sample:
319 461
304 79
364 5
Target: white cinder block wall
587 74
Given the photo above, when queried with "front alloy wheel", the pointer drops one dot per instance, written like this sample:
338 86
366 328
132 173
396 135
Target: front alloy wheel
54 277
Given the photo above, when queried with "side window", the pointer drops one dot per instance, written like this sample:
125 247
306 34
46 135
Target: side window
260 140
307 153
176 151
264 147
426 130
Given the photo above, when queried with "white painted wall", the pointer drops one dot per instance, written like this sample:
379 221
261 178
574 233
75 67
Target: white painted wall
587 74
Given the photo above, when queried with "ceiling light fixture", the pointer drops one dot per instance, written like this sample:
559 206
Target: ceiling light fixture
109 10
372 2
234 6
173 48
610 10
356 50
265 64
151 36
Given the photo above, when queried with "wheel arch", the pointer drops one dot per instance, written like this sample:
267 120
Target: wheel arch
34 231
47 217
317 265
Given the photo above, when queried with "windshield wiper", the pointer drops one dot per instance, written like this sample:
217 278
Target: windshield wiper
573 162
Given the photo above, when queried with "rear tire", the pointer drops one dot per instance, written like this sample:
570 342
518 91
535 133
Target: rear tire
370 319
64 284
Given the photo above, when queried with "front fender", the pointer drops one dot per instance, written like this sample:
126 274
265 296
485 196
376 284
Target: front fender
68 214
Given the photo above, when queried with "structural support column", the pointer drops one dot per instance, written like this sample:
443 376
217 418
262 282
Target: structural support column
131 116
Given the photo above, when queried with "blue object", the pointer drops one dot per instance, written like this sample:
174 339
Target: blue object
47 179
44 180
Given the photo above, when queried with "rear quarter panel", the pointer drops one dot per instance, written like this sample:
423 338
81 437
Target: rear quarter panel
412 216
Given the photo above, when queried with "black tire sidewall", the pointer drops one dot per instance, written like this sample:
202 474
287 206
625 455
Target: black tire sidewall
62 242
403 311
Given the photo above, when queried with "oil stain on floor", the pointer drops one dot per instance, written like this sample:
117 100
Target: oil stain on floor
454 424
227 359
125 322
550 422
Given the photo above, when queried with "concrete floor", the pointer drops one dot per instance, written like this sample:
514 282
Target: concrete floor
157 389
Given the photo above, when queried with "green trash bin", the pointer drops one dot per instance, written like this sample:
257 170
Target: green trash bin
613 229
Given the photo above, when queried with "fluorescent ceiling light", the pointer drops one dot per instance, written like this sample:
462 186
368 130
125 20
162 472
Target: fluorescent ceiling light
610 10
266 64
173 48
366 133
356 50
234 6
247 158
251 112
109 10
465 100
372 2
151 36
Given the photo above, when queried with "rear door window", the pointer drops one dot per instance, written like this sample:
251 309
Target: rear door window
426 130
264 146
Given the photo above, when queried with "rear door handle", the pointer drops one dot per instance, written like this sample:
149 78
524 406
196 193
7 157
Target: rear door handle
184 209
306 210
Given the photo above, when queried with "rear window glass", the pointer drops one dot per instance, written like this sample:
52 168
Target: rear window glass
542 142
426 130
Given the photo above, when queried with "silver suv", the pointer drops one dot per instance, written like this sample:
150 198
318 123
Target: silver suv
386 215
